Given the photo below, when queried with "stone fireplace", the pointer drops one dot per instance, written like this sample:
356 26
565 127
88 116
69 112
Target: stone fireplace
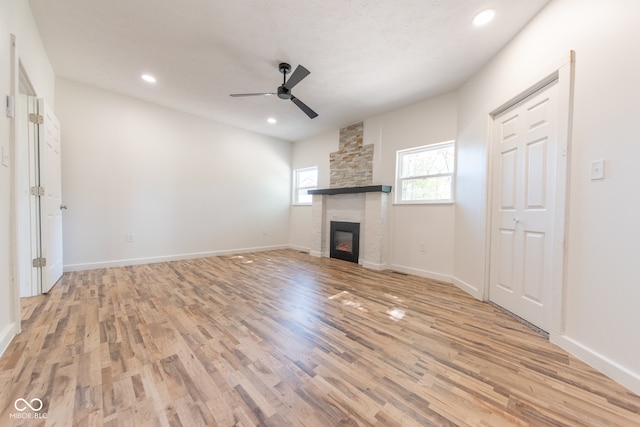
352 199
366 206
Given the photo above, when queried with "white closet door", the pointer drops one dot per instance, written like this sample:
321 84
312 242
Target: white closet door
524 165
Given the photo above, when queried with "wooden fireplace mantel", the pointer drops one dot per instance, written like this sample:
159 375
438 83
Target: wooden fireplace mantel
352 190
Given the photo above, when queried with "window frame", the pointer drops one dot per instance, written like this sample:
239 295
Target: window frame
297 188
423 148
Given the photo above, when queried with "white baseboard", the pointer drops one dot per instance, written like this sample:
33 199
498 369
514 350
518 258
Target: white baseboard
421 273
299 248
179 257
374 266
471 290
6 336
319 254
608 367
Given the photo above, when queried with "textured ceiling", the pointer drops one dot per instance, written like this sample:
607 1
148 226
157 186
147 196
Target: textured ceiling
365 56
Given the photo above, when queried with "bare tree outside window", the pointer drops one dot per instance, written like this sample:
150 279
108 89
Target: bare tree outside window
303 180
425 174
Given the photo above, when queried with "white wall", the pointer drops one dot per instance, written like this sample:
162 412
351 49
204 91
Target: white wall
603 278
411 226
15 18
7 295
310 152
182 185
31 49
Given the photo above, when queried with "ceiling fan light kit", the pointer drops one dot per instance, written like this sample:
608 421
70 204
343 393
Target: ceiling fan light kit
284 90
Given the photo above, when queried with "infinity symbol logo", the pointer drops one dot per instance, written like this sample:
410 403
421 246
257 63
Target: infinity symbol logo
34 406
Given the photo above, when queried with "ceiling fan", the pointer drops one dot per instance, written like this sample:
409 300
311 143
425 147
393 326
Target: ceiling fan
284 91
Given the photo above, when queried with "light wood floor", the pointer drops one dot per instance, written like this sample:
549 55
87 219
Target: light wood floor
284 339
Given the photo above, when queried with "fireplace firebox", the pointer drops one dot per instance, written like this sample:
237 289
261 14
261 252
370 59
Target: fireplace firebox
345 241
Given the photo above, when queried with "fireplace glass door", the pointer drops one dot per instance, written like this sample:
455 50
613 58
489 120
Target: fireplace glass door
345 240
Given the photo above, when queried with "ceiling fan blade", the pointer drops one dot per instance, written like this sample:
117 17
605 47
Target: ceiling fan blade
299 74
235 95
308 111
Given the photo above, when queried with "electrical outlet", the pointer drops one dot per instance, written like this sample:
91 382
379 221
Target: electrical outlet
264 232
423 247
129 237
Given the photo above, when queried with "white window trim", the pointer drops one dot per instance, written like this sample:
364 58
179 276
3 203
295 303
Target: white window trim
294 195
398 184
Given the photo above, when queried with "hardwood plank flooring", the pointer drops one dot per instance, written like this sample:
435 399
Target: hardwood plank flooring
284 339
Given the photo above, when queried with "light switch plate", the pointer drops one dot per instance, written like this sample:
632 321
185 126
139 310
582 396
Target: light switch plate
11 112
597 170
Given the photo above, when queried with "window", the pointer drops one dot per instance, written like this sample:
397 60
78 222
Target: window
425 174
303 180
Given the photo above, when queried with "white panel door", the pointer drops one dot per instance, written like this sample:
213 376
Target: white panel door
524 167
51 201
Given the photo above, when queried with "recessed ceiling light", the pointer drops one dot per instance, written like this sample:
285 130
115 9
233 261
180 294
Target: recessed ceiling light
148 78
271 120
484 17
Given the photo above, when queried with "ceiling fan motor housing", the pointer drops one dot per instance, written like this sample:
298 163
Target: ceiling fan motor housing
283 92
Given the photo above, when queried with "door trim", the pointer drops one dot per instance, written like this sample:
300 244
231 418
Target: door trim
564 75
26 173
13 207
547 81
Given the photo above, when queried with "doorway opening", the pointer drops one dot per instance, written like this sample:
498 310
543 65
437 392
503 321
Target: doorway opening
28 238
37 192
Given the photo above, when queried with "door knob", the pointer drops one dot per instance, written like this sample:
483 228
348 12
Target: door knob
516 220
64 207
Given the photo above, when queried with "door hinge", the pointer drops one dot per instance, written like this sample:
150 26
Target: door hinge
37 191
36 118
39 262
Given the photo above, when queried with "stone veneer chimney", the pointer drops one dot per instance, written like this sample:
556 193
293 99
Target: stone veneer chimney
352 198
352 164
